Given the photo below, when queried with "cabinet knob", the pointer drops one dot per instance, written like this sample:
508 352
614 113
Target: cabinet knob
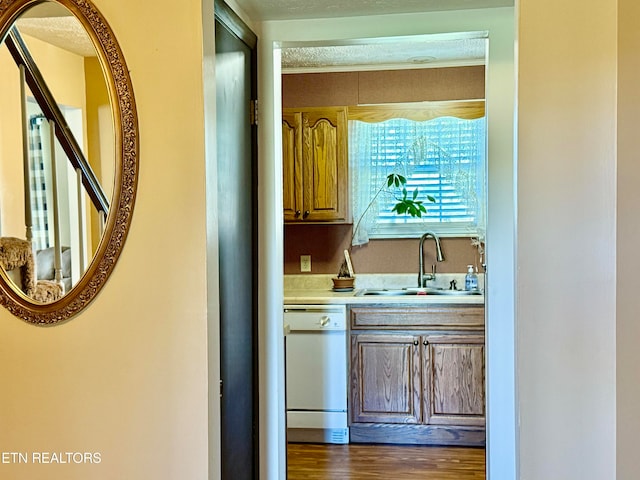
298 213
415 342
306 214
425 343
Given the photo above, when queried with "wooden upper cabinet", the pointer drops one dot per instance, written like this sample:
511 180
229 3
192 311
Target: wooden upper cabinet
315 164
292 165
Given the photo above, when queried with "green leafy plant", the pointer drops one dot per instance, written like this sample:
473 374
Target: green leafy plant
407 203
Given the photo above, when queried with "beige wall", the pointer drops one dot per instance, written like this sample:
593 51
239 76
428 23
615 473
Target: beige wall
382 86
99 138
628 239
128 377
64 74
566 240
11 185
326 244
62 70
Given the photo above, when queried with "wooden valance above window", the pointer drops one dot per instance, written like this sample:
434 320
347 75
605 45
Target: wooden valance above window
419 112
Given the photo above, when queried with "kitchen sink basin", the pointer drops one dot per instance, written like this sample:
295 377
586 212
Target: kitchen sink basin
417 291
388 293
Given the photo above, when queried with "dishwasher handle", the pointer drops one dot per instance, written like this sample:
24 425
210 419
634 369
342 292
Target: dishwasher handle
315 309
315 319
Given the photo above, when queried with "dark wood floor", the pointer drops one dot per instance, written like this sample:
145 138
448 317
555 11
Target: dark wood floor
336 462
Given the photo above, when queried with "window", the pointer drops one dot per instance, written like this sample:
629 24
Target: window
443 157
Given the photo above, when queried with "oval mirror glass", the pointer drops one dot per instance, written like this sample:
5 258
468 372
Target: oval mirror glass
68 156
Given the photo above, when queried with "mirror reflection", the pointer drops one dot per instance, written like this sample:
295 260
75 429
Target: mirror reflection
57 152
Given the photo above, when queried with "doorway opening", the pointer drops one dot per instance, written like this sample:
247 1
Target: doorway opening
328 75
500 301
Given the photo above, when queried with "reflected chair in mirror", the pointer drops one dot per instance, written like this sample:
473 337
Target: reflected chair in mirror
17 259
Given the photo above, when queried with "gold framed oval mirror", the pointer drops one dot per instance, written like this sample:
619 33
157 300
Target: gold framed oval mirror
68 156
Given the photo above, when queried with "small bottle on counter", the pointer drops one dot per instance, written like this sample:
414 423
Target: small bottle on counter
471 279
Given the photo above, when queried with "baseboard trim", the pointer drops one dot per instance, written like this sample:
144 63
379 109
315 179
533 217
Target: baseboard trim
417 434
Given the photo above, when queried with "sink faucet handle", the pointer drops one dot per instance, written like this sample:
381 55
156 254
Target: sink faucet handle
453 285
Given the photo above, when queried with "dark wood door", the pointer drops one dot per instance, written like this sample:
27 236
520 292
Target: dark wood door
237 236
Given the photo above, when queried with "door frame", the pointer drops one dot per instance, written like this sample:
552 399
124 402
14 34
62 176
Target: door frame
219 11
500 301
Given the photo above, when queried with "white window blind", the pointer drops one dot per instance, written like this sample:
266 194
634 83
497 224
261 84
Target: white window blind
443 158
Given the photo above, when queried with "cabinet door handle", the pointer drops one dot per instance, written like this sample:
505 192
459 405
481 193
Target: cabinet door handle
415 342
425 343
298 213
306 214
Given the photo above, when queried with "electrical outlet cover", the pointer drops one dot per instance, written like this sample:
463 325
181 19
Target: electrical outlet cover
305 263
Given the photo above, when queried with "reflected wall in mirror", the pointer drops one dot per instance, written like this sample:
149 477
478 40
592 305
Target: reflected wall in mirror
68 156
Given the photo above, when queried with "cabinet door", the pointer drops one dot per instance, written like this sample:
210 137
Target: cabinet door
385 378
292 165
325 164
453 367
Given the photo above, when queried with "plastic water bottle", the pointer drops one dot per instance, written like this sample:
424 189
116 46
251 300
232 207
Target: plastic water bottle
470 279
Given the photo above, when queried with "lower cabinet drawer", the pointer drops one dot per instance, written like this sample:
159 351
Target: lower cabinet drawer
431 316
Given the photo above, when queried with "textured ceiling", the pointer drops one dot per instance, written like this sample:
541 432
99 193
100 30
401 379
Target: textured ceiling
259 10
399 54
405 54
54 24
64 32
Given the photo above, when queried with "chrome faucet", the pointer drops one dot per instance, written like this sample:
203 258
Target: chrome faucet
422 277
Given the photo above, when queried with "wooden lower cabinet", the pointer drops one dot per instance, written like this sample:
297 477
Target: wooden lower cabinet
417 387
386 379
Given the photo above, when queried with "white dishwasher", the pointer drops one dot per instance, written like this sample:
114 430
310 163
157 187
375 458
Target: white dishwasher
316 373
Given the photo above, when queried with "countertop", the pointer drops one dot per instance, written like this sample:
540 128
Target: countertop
329 297
316 290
